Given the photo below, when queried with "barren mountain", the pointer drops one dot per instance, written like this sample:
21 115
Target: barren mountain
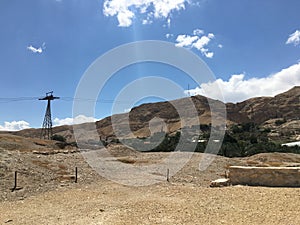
260 110
263 111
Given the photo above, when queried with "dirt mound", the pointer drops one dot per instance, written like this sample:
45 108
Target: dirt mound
23 144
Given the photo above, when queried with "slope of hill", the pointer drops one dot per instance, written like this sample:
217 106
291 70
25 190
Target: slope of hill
263 111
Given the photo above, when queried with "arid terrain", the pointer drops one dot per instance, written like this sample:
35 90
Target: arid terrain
147 112
263 111
46 191
47 194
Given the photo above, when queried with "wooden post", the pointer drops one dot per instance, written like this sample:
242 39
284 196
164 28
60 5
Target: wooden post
15 187
76 172
168 172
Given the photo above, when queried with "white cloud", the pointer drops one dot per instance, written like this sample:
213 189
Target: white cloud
205 52
169 36
163 8
198 41
147 21
127 10
294 38
185 40
201 43
211 36
70 121
238 89
37 50
198 32
125 18
220 46
209 54
169 22
127 110
15 126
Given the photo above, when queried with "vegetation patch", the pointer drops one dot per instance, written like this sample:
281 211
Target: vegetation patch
240 140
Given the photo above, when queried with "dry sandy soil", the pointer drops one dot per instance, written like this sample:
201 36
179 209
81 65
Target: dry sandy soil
110 203
48 194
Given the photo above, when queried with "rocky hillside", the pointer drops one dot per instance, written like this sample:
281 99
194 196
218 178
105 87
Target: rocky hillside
280 113
262 109
265 111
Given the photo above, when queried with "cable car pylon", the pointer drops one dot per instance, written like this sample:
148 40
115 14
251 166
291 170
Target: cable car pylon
47 124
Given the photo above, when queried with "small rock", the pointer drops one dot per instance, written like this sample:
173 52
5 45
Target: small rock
220 182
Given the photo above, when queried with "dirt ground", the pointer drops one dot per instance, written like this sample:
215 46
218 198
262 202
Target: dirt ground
166 203
47 193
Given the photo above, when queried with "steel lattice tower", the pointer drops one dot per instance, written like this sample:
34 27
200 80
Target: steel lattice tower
47 124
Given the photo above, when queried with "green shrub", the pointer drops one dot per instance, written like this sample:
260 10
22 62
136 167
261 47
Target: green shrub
57 137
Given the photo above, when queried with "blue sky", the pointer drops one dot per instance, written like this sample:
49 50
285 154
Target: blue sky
252 47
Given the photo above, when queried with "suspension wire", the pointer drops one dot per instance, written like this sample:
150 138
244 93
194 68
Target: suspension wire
68 99
17 99
93 100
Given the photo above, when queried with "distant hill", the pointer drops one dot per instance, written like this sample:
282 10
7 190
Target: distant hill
280 114
262 109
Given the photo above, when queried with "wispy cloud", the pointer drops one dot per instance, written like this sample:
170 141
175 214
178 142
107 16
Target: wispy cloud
238 89
198 32
15 126
37 50
126 11
294 38
198 41
70 121
169 35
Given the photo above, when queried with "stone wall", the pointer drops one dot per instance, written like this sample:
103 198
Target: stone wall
265 176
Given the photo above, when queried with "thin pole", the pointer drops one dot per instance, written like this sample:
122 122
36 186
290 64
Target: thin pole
168 172
15 187
76 172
